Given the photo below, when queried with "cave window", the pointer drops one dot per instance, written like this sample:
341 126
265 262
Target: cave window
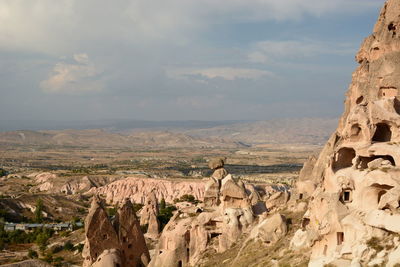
346 196
382 133
130 245
355 132
117 265
343 158
300 196
215 235
180 264
305 222
359 100
340 238
325 249
105 237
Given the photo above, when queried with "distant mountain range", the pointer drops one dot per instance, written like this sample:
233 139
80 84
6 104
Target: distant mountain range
179 134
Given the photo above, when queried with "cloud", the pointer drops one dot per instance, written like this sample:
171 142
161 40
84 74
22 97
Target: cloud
269 51
57 27
77 77
226 73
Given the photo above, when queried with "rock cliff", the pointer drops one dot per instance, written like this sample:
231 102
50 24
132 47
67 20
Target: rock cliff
354 184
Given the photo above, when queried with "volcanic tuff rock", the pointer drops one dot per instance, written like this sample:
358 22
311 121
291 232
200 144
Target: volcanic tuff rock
215 225
354 185
121 244
148 215
136 189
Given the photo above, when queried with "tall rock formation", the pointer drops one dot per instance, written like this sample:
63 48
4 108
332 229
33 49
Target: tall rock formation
115 244
354 185
212 187
148 215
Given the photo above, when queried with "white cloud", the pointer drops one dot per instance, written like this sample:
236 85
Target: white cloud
270 51
226 73
57 27
77 77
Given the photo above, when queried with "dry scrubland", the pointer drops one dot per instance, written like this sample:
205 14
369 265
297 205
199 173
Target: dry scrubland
40 168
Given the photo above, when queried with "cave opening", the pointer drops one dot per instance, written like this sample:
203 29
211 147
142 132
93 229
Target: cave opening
343 158
383 133
340 238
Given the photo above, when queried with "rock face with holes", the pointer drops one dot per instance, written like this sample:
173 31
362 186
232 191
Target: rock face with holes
113 244
148 215
214 226
354 184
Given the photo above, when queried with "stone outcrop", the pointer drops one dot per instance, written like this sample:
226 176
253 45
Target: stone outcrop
148 216
353 186
217 165
193 230
119 244
136 189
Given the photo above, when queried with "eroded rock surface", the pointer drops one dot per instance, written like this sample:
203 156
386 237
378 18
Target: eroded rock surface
353 186
117 244
136 189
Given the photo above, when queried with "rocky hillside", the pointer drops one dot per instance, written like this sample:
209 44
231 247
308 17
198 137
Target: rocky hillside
104 139
279 131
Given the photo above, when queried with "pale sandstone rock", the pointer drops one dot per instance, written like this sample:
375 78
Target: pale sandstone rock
216 163
131 240
136 189
99 232
148 215
356 180
45 177
121 244
279 199
393 257
109 258
191 230
219 173
384 220
301 239
271 229
211 194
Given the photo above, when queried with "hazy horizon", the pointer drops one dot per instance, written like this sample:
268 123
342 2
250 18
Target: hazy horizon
126 124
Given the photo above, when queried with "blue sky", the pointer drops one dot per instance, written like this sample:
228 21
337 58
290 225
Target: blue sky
178 59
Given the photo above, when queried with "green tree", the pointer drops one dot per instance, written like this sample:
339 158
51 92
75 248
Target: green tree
39 210
3 172
162 204
41 240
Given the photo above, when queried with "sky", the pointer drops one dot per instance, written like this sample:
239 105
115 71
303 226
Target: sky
178 59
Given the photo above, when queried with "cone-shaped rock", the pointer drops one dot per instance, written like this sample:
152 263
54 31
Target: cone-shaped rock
100 234
133 245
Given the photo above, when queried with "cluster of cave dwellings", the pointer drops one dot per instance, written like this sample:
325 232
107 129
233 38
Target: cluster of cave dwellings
367 143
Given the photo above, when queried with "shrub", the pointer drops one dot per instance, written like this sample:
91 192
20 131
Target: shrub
32 254
79 247
374 243
165 215
186 198
3 172
69 246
